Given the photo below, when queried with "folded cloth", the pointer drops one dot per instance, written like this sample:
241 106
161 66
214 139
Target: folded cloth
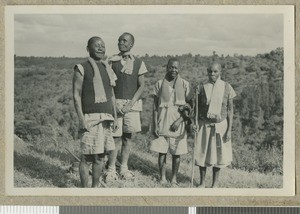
100 94
128 66
215 93
165 94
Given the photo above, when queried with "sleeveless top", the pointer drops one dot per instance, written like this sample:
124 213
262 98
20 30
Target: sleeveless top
126 85
88 94
203 107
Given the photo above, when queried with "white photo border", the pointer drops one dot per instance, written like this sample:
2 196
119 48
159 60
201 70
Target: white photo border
289 101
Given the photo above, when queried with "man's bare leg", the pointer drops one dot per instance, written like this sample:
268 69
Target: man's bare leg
175 168
162 159
84 171
112 156
98 164
202 176
126 147
216 172
125 152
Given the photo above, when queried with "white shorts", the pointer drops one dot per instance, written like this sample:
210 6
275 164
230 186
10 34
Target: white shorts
128 123
98 138
176 146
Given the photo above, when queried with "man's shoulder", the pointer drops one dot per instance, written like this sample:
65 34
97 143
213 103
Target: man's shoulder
137 59
228 84
159 82
185 82
200 86
83 63
228 87
81 67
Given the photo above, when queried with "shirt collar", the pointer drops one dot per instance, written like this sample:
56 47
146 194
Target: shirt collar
211 82
126 55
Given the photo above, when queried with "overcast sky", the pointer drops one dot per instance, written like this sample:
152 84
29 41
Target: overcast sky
67 34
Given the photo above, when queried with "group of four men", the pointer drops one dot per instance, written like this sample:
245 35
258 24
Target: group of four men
107 100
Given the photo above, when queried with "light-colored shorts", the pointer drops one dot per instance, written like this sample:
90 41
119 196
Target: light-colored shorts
128 123
98 138
176 146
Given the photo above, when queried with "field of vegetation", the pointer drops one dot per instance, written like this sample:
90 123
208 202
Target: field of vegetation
46 122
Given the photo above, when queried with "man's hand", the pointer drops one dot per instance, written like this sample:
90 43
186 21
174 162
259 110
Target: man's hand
126 108
115 125
195 128
82 128
174 127
155 130
227 136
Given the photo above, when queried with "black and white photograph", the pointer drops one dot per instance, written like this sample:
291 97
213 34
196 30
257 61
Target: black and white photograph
150 100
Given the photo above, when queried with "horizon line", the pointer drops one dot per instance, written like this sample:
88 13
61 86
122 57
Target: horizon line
156 55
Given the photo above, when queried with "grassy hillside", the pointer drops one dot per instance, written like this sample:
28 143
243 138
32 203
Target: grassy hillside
34 168
46 121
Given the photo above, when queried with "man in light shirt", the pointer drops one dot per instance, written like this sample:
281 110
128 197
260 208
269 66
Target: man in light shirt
129 87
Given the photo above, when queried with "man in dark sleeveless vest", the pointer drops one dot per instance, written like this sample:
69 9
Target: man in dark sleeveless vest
215 107
95 106
130 72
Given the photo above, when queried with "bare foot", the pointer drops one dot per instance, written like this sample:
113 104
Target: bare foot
163 181
201 185
214 185
174 184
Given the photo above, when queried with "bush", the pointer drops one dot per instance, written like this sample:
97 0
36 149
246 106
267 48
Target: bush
246 157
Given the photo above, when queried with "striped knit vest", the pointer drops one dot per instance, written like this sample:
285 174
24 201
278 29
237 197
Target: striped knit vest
88 94
126 85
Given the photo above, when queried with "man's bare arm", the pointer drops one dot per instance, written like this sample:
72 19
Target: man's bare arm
155 115
137 95
229 120
115 126
114 103
77 89
230 114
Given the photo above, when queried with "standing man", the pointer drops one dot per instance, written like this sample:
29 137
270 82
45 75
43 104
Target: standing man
170 110
129 87
95 106
215 107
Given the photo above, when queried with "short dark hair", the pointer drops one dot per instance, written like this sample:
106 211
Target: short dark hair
173 59
131 36
214 63
93 39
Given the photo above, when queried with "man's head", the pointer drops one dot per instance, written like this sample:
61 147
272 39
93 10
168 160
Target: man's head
214 71
125 42
173 68
96 48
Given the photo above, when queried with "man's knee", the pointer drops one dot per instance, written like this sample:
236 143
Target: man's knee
118 142
216 168
127 136
98 158
176 156
85 158
162 154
